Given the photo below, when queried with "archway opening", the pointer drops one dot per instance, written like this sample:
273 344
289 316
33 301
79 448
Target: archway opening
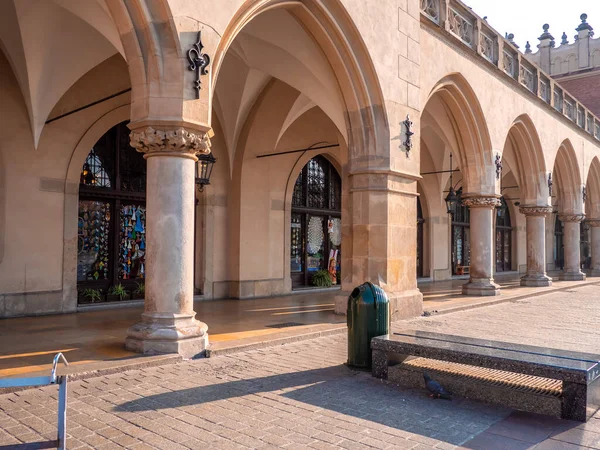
111 220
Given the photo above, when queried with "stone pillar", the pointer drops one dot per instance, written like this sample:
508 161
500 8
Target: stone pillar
572 271
595 225
481 281
168 323
536 246
379 237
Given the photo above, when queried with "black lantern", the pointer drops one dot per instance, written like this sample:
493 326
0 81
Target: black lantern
451 200
204 168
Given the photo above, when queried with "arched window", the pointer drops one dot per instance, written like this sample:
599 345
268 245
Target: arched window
559 247
316 228
461 237
420 222
112 217
503 238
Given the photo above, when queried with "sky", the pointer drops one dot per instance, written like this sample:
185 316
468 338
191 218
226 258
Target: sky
524 18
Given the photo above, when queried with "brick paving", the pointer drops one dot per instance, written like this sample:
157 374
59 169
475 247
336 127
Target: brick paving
293 396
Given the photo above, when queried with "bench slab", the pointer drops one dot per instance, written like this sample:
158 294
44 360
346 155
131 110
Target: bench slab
579 372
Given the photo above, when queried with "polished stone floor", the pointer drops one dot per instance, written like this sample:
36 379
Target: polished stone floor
90 338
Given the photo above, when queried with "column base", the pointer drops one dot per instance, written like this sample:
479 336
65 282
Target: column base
572 276
403 304
168 333
536 281
594 273
481 288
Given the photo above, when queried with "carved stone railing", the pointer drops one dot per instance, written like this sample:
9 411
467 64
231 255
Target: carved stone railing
456 18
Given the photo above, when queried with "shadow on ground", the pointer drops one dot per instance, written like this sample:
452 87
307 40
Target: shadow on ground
350 393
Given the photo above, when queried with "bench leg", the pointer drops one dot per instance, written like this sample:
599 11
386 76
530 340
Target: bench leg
574 401
380 364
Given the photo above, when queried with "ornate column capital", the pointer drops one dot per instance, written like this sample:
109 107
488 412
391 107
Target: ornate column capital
177 142
481 201
533 210
594 223
571 217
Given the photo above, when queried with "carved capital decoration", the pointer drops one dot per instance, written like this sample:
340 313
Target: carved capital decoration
178 142
532 210
481 202
571 217
594 223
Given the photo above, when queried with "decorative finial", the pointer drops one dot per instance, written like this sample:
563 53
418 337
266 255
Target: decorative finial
546 34
584 25
565 40
527 48
485 18
511 38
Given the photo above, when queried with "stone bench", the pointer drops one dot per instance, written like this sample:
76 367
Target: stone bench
569 379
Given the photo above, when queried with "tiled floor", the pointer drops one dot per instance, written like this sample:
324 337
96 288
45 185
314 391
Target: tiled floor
28 344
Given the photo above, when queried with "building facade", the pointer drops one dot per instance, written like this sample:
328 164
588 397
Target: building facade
338 128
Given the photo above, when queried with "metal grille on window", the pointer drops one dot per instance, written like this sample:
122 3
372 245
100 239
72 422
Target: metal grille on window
334 191
298 197
132 166
96 169
316 184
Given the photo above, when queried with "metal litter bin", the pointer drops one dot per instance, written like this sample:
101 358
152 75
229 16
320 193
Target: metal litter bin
368 316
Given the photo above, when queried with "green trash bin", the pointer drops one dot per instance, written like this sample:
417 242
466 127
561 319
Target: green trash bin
368 316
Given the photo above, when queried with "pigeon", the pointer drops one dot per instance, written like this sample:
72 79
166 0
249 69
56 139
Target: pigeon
436 389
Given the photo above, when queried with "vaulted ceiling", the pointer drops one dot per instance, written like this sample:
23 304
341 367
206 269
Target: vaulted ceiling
50 44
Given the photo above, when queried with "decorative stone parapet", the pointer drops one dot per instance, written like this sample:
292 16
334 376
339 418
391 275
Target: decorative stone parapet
571 217
178 142
532 210
481 202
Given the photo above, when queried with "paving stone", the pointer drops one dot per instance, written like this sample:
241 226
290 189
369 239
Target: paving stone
299 395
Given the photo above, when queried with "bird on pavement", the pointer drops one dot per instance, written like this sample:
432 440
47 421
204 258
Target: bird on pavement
436 390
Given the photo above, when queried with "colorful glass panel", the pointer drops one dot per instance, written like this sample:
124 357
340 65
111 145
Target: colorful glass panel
132 249
93 240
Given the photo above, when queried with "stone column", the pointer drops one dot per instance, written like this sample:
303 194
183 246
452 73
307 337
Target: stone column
572 271
481 281
595 225
536 246
168 323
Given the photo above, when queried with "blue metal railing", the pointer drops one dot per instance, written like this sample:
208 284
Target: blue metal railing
61 381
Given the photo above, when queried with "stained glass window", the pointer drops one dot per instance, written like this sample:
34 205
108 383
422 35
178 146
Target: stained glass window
112 215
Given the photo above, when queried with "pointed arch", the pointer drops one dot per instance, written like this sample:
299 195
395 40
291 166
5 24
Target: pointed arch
567 179
469 131
524 151
592 205
333 29
153 52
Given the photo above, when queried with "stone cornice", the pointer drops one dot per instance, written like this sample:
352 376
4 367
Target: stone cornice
533 210
481 202
571 217
178 142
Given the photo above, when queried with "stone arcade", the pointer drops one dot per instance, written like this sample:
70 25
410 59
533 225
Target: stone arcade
305 105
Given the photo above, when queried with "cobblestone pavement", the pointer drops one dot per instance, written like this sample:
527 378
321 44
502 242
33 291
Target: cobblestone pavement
298 395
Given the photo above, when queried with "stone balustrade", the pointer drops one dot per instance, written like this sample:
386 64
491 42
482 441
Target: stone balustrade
458 20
